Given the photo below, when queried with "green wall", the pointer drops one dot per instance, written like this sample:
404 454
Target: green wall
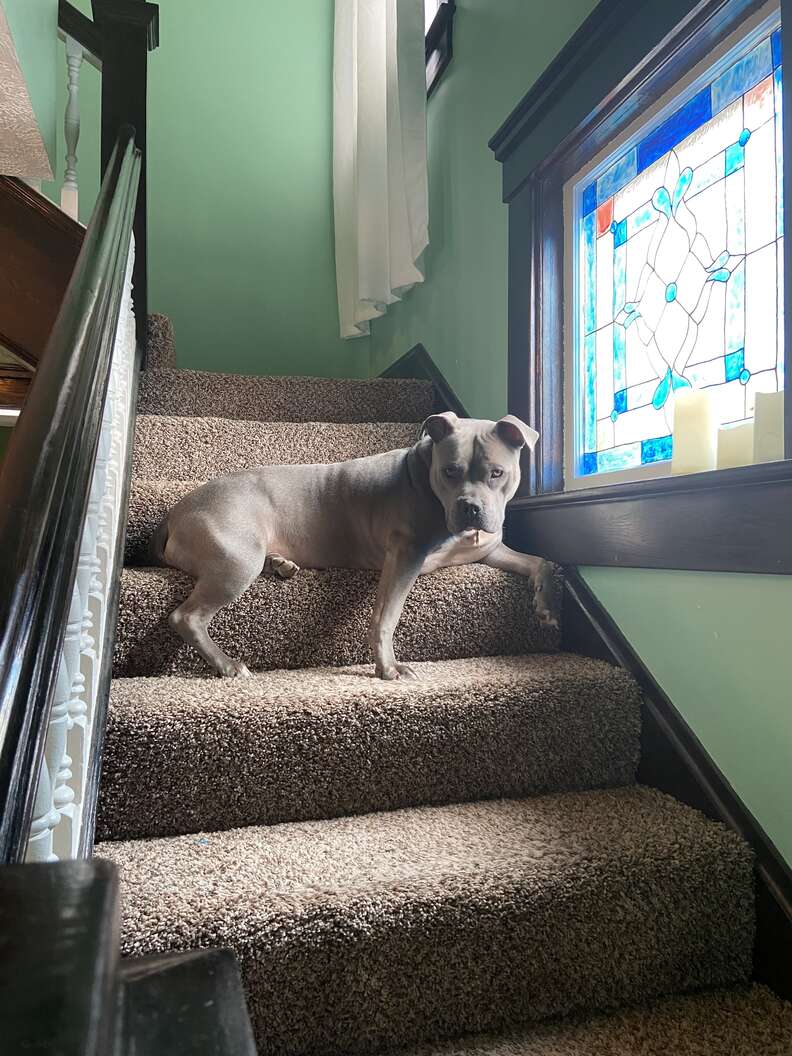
718 644
460 313
240 188
34 27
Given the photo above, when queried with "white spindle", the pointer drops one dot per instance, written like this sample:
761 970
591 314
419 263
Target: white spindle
55 832
71 127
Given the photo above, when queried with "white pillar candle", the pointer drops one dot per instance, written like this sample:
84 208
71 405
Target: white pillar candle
769 427
735 445
695 432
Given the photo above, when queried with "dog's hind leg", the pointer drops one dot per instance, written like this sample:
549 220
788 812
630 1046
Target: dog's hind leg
219 581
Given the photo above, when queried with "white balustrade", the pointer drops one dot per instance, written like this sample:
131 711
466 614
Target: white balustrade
60 796
71 127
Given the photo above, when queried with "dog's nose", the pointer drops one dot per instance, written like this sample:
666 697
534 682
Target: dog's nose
470 511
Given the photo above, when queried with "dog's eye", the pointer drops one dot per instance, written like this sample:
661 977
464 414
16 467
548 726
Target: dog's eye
451 471
495 473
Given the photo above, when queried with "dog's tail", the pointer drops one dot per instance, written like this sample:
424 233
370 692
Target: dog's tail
155 554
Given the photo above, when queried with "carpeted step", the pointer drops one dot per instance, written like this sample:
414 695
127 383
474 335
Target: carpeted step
160 343
319 743
284 399
399 927
199 449
741 1022
321 618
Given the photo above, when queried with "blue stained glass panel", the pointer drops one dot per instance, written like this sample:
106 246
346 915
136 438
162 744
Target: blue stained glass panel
628 456
676 298
734 364
620 173
742 75
589 465
735 157
686 120
657 450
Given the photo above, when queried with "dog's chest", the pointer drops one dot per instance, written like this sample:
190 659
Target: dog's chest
462 550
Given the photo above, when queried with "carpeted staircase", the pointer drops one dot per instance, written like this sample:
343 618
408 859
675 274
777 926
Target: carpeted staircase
398 864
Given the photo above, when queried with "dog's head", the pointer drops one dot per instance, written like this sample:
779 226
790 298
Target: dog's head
474 467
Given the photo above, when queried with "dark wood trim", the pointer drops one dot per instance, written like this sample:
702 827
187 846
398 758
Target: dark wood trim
735 520
44 491
59 933
40 247
440 38
417 363
15 382
625 55
562 72
78 26
674 760
129 30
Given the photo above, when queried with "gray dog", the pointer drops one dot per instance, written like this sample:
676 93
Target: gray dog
438 503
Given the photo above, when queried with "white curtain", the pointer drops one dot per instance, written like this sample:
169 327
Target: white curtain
379 156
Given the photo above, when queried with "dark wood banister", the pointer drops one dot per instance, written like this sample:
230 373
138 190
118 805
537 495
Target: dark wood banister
44 488
121 35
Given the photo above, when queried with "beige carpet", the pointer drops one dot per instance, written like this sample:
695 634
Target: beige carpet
388 928
398 864
173 448
321 618
262 399
331 741
750 1022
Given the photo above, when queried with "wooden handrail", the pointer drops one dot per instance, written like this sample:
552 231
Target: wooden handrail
121 34
44 489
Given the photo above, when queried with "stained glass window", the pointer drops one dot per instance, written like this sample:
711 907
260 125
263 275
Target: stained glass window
679 275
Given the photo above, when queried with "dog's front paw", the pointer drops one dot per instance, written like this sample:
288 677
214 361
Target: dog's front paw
397 672
545 596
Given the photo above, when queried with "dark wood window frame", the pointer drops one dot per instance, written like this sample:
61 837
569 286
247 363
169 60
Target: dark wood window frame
439 40
625 55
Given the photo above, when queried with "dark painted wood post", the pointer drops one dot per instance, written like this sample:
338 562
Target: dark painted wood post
129 31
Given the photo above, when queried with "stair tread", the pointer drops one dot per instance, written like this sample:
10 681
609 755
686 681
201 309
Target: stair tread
739 1022
233 752
427 922
321 617
270 398
169 447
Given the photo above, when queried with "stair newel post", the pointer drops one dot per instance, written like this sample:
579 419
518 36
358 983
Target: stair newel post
130 29
71 128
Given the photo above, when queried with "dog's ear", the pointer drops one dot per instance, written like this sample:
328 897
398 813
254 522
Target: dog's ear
439 426
515 433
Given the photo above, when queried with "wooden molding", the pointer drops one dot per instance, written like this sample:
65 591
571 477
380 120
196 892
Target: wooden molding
674 760
40 248
15 382
80 28
417 363
132 13
731 520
